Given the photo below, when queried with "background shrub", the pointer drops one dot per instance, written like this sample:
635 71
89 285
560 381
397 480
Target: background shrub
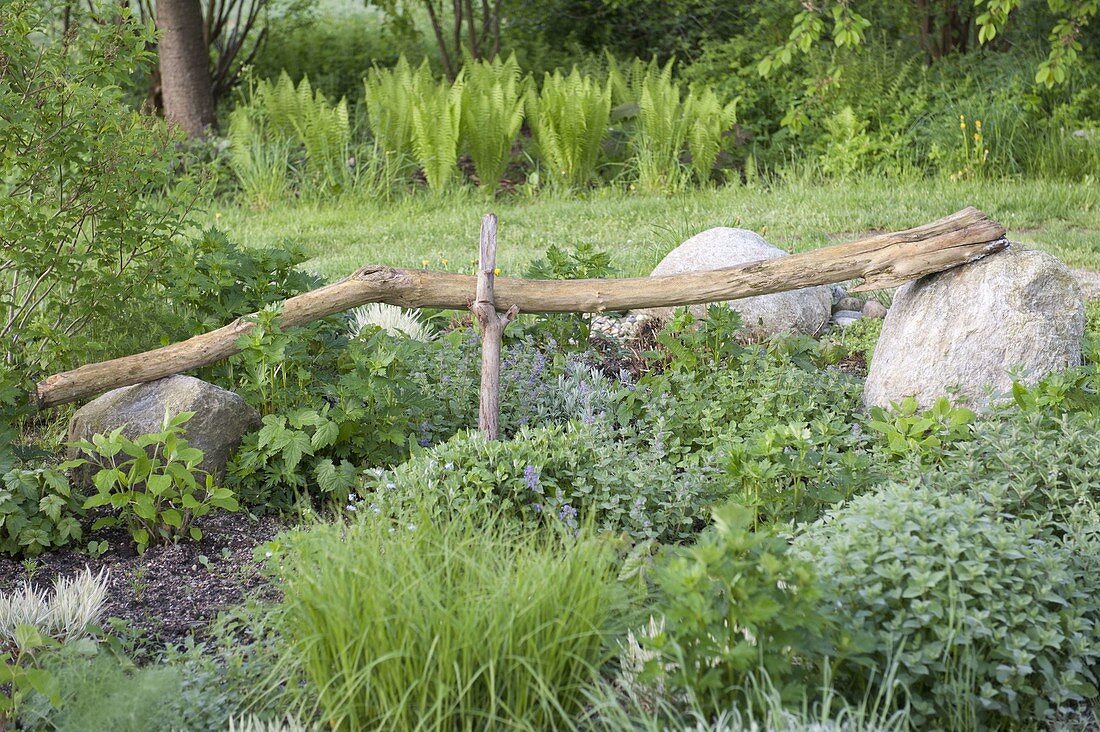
85 227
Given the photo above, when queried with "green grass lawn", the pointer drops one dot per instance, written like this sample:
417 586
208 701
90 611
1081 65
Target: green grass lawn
1059 217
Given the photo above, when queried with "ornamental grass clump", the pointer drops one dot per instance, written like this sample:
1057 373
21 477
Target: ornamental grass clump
65 614
447 626
989 618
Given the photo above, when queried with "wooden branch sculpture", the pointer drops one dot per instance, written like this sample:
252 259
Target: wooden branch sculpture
882 260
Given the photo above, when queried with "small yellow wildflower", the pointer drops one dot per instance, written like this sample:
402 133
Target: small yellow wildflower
977 124
497 271
977 137
424 263
443 262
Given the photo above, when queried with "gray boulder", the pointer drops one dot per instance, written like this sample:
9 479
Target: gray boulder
967 330
221 418
802 311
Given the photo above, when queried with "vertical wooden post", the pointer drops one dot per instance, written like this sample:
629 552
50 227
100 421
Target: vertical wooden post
492 330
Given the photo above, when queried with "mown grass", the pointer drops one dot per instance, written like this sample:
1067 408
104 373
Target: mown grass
1061 218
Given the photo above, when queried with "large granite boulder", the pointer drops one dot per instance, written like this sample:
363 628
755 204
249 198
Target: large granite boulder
221 418
967 330
799 311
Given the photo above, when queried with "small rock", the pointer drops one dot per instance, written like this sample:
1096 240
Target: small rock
874 309
848 303
844 318
839 293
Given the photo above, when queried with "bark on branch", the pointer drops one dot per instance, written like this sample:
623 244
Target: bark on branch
883 260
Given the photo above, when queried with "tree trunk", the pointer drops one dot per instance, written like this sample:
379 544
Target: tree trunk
185 67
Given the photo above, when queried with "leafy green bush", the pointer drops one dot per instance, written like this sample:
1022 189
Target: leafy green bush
220 281
446 625
987 617
38 511
492 113
556 475
740 611
569 118
317 434
584 262
1030 465
792 472
155 491
84 228
910 432
712 389
38 508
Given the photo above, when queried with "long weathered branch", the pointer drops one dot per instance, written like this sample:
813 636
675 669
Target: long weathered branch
883 260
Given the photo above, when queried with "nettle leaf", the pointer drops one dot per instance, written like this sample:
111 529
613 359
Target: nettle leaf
326 434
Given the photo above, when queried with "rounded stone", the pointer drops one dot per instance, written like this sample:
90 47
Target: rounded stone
844 318
221 418
874 309
968 331
798 311
849 303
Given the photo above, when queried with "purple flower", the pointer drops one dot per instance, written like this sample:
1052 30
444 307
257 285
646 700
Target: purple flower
537 507
568 515
531 478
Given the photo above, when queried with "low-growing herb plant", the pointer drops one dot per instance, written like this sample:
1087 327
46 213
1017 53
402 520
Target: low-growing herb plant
557 475
989 618
154 483
921 434
739 609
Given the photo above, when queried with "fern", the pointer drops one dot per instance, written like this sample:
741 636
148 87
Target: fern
708 121
667 121
280 119
492 113
662 129
570 117
626 88
436 116
387 97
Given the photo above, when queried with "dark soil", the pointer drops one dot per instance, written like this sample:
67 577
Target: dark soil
169 592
